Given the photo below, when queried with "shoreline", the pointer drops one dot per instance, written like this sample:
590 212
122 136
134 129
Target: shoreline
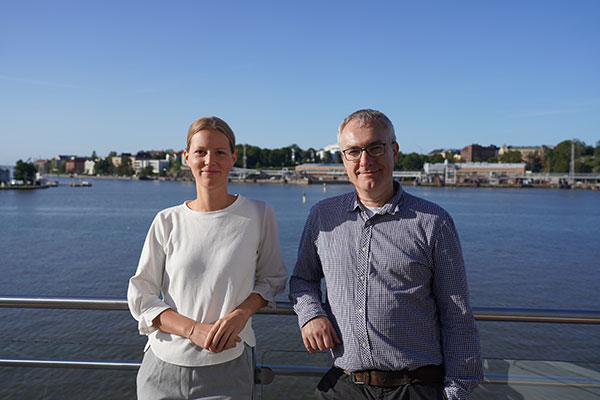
308 181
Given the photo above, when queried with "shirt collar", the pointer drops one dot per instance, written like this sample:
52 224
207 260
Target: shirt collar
392 206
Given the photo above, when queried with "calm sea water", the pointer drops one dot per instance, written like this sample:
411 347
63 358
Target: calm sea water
522 247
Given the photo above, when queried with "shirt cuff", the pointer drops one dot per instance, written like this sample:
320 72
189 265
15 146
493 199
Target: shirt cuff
145 326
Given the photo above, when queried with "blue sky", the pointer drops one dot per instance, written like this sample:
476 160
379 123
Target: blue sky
79 76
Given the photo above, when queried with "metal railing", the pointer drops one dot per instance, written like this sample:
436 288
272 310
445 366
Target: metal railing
569 316
266 373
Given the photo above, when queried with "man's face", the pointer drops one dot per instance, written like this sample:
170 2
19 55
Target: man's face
369 175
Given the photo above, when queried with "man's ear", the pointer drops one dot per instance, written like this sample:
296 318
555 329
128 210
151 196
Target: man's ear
396 150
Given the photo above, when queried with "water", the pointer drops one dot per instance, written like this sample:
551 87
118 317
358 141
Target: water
522 247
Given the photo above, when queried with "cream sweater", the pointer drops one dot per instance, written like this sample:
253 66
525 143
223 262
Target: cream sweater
203 265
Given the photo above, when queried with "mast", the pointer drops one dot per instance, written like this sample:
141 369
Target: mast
572 163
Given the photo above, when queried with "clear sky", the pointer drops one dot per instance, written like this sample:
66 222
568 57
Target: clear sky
79 76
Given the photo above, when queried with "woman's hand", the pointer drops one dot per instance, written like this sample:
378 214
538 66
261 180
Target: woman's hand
225 331
200 335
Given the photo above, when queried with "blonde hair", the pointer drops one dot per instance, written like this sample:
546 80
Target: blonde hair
215 123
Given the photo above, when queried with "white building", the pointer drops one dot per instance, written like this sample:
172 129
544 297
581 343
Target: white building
157 165
332 149
89 167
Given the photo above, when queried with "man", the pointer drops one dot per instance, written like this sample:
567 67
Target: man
397 317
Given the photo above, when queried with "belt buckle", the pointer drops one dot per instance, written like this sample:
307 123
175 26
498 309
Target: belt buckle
356 382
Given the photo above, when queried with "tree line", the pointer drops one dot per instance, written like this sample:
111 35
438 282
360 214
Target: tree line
587 160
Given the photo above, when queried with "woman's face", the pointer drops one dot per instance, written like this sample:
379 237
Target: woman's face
210 158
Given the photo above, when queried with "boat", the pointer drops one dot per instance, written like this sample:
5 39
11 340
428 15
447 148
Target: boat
80 184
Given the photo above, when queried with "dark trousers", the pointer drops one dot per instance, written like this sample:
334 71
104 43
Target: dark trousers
336 385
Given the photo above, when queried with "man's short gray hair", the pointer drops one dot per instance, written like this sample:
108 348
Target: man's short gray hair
366 117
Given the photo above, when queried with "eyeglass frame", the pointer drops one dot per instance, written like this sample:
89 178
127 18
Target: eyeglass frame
366 150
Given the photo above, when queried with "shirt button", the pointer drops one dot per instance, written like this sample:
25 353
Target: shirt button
360 311
364 345
362 278
364 249
368 223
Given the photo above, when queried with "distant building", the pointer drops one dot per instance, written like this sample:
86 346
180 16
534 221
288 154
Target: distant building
479 153
477 172
58 161
331 149
157 165
118 160
527 152
446 152
89 167
184 164
42 166
323 172
4 175
75 165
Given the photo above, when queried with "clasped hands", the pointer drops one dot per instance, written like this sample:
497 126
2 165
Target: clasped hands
221 335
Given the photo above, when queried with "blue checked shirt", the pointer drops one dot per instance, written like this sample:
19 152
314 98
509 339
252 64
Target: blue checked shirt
396 288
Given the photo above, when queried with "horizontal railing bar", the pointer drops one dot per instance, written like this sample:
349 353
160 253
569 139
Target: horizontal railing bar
294 370
84 364
508 314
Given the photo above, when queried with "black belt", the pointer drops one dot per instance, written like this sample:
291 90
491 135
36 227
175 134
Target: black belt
426 374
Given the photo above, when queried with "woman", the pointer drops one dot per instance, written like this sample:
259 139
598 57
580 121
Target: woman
206 267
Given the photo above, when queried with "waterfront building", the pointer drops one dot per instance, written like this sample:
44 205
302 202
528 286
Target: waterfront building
527 152
75 165
323 172
474 173
42 166
475 152
455 153
118 160
332 149
4 175
157 165
89 167
57 162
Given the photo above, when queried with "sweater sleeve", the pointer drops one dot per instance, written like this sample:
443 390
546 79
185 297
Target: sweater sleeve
271 273
144 291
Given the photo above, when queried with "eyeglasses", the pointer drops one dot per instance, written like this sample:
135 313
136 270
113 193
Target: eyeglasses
354 153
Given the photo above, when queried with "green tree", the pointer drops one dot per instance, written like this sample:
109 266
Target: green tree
559 157
510 157
435 159
104 167
534 163
412 162
175 167
326 157
125 169
25 172
147 171
450 157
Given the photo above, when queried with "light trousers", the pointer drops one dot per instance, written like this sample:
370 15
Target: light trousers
233 380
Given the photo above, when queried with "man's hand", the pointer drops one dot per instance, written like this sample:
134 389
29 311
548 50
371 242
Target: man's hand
318 334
